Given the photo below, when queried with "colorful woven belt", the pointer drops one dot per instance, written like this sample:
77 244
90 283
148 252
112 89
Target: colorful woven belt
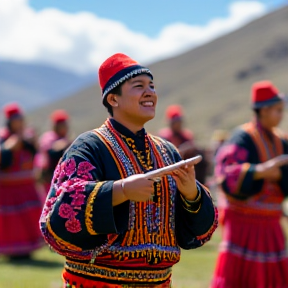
116 274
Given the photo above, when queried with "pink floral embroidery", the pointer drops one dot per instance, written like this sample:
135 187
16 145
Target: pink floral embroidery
48 207
229 165
50 202
83 170
79 186
73 225
59 191
78 199
56 174
232 177
75 186
70 167
68 185
241 154
66 211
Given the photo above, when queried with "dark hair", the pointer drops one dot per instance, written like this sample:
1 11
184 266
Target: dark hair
8 124
257 112
117 91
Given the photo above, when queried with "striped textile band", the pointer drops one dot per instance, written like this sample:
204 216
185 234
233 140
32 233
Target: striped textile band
19 175
255 256
118 274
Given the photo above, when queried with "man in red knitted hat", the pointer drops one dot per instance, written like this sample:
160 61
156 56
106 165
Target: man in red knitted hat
52 145
20 204
115 226
175 133
252 172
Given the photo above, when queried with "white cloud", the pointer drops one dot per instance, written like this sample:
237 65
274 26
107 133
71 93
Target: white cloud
82 41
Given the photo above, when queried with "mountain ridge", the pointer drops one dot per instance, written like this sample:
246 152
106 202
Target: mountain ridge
212 81
34 84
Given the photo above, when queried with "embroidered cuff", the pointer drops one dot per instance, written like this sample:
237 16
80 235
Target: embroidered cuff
192 206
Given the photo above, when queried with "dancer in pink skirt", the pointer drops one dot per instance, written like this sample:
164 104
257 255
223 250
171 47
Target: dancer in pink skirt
252 172
20 204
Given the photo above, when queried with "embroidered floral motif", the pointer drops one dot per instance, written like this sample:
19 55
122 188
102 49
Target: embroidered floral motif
73 225
69 167
242 154
56 174
47 208
59 191
66 211
232 181
64 183
75 184
78 199
83 170
231 158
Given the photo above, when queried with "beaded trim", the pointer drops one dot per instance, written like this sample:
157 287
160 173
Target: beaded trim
89 209
124 78
118 274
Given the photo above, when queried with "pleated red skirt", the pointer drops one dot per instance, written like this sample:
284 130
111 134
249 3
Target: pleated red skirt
252 253
20 209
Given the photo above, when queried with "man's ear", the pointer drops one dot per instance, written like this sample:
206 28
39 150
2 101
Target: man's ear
112 100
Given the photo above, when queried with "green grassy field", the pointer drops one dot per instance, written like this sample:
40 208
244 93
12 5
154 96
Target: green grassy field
44 270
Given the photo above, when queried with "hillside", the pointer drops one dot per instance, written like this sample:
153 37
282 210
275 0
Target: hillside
212 82
35 85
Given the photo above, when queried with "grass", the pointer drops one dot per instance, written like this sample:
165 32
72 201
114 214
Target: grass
44 270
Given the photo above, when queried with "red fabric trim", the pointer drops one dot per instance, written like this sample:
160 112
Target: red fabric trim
76 281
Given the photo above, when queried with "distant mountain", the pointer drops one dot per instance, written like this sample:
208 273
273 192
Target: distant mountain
34 85
212 82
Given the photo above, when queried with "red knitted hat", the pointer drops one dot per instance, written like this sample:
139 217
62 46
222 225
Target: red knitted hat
174 112
264 93
117 69
11 110
59 115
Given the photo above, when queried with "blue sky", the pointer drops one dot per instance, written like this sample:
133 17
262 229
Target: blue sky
149 16
78 35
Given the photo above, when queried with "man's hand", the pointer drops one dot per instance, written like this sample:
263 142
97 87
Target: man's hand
140 187
270 169
135 188
186 182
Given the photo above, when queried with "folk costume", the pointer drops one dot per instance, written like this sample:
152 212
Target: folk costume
20 205
48 157
134 244
253 251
